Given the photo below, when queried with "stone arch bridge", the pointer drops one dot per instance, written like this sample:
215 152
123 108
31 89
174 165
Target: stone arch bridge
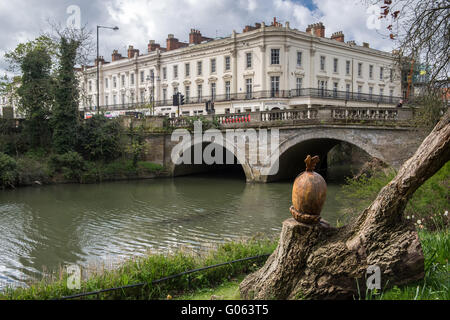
382 133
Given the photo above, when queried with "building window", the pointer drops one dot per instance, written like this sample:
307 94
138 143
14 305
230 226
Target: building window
248 86
106 100
142 96
123 80
213 65
299 86
187 93
227 63
371 71
370 92
175 90
199 92
359 92
123 98
164 96
227 90
114 99
132 97
142 76
132 78
175 72
391 95
199 68
391 75
381 73
213 91
322 84
347 67
322 63
299 58
106 83
381 94
335 65
187 69
335 89
275 86
164 73
90 86
347 91
275 56
359 69
249 59
114 82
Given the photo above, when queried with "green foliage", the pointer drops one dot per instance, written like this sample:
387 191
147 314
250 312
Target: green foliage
36 96
65 111
426 206
154 267
206 123
8 172
100 139
436 284
30 170
16 57
429 109
70 164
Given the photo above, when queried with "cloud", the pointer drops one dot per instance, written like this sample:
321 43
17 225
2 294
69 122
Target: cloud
142 20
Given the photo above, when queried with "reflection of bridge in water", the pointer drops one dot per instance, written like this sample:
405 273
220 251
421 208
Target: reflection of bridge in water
384 133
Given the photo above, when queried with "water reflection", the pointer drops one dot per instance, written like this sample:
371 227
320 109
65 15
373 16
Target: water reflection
57 225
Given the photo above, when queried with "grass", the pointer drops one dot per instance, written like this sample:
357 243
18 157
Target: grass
434 286
152 267
426 207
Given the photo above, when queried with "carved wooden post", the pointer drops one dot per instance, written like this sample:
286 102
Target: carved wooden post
316 261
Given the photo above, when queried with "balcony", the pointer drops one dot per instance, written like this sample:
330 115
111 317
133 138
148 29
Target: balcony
269 94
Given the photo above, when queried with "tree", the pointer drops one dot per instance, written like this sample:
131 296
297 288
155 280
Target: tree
65 111
36 95
321 262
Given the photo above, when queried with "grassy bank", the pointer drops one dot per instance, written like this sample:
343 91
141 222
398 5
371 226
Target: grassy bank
154 267
434 286
33 168
427 207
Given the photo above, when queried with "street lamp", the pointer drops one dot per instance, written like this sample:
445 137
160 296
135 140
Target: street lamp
98 66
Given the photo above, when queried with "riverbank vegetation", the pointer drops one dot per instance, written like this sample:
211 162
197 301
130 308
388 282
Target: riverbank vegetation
153 267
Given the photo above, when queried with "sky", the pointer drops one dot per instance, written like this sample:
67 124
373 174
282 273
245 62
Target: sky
142 20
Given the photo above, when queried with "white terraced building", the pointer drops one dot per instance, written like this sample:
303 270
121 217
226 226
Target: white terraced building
262 68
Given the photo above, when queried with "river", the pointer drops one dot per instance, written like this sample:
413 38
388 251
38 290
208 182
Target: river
44 228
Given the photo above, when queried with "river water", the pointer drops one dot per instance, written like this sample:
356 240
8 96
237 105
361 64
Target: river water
44 228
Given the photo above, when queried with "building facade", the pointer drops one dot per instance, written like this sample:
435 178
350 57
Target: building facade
262 68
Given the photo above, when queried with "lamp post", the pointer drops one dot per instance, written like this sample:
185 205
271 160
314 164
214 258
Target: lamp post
98 67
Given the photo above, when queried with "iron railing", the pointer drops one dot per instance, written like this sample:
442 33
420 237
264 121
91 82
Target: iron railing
267 94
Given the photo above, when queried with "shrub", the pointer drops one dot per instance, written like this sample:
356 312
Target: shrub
70 164
8 171
100 139
30 170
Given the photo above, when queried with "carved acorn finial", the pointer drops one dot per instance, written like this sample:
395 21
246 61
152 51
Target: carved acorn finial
308 194
311 162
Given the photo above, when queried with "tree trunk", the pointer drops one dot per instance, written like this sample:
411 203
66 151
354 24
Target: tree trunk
322 262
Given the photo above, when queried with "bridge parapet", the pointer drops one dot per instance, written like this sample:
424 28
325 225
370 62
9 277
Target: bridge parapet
299 116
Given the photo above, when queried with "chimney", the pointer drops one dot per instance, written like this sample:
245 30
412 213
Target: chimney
338 36
316 29
195 37
365 45
132 52
351 42
173 43
116 56
152 46
99 60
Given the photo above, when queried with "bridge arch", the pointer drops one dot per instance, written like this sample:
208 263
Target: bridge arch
225 144
319 143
